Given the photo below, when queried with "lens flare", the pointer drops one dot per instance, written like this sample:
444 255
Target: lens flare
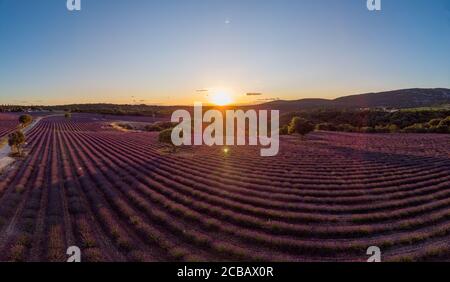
221 98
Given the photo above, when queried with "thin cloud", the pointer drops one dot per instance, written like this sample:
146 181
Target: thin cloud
268 99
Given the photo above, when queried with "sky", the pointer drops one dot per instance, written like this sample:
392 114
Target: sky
163 51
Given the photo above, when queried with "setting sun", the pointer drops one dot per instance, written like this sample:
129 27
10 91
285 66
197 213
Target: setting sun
221 98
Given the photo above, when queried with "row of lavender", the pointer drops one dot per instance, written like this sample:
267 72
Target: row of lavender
121 196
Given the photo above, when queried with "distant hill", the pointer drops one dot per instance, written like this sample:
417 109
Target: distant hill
404 98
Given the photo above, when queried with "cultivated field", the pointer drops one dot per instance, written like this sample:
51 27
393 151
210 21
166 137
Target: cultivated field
121 196
7 124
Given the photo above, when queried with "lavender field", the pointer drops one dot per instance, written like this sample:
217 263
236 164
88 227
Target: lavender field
121 196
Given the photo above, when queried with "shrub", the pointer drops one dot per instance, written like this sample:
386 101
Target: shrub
392 128
367 129
445 122
300 126
125 126
284 130
438 125
416 128
346 128
152 128
165 137
381 129
68 115
325 126
434 122
159 126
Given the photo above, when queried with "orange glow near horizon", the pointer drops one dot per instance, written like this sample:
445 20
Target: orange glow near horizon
221 97
213 96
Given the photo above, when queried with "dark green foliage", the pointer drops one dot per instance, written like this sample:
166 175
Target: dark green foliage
367 118
152 128
16 140
367 129
284 130
346 128
159 126
435 122
390 128
112 109
25 120
433 126
416 128
326 126
165 136
126 126
445 122
375 121
300 126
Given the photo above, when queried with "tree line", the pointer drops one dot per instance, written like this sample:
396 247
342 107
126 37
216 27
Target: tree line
370 121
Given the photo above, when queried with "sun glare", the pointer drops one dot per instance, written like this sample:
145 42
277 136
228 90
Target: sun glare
221 98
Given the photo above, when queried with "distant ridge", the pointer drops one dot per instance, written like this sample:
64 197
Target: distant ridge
403 98
399 99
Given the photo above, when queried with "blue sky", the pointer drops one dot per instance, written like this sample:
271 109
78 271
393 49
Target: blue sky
161 51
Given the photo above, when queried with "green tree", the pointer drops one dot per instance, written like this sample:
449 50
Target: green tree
392 128
367 129
284 130
300 126
445 122
347 128
16 140
165 137
152 128
416 128
325 126
25 120
443 126
435 122
159 126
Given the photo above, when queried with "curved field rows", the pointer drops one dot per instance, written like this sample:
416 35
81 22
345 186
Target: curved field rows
123 197
7 124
